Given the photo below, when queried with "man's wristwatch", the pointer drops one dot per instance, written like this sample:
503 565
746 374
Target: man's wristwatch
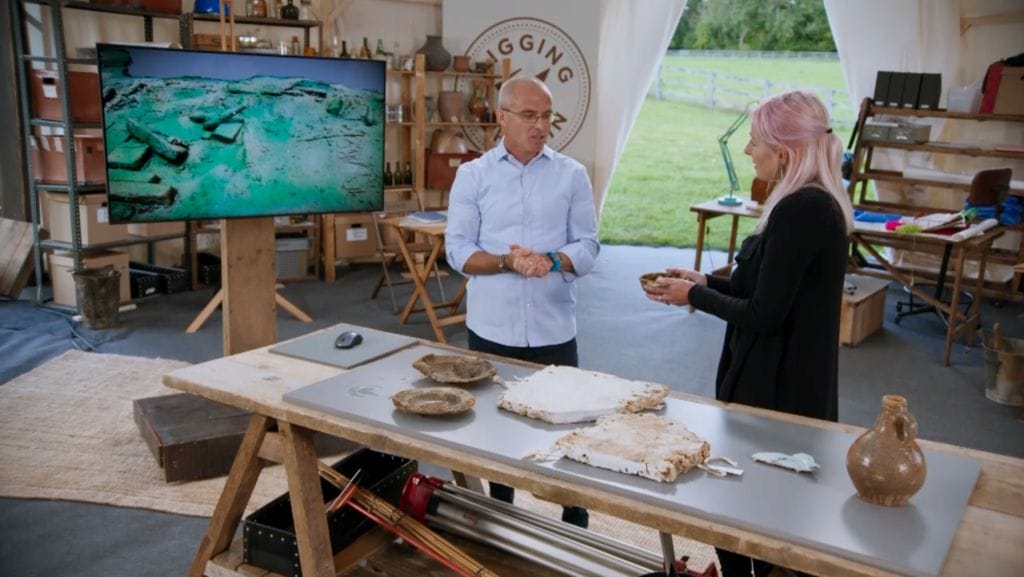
556 261
501 263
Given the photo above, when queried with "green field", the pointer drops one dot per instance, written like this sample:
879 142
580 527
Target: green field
672 161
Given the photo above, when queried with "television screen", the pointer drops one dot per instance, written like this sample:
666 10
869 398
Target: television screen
202 135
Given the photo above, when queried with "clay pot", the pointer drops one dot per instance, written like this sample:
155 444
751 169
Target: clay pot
885 463
448 141
460 63
436 57
451 104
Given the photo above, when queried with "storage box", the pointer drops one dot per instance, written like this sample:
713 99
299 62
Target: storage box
49 165
907 132
1010 98
61 266
355 236
862 309
44 90
144 283
877 131
93 218
151 229
268 538
170 279
292 257
441 168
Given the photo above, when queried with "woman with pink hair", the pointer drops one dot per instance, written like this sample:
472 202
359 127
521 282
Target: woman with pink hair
782 302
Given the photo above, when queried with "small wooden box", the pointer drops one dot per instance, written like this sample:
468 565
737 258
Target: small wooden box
354 235
863 309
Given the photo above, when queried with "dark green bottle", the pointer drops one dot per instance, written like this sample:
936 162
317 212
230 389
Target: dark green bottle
407 176
290 12
389 177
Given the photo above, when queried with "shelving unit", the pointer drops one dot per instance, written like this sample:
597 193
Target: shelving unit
73 189
309 229
189 19
414 86
862 171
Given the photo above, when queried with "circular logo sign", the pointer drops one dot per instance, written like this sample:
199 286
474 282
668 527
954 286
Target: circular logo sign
542 50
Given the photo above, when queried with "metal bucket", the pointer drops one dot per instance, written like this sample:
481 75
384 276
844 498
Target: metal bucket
98 291
1004 370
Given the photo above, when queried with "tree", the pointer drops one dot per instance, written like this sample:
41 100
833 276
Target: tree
754 25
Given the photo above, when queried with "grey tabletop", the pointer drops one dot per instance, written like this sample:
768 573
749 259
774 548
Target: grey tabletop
819 510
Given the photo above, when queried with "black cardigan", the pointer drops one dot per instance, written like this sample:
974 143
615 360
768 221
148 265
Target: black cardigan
782 305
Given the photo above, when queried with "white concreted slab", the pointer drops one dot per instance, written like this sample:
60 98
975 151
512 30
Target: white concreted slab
819 510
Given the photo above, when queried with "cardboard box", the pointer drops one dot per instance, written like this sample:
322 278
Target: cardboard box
164 253
62 264
1010 98
151 229
44 90
49 164
441 168
862 310
94 220
354 236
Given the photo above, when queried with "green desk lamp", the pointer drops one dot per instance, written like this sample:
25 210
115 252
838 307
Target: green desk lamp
723 145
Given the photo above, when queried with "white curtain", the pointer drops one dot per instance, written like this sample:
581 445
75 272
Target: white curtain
634 36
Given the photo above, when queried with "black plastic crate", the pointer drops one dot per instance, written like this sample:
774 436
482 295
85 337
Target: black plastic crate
268 538
209 269
143 283
172 280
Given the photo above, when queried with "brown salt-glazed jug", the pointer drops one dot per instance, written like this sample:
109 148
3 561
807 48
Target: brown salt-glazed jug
885 463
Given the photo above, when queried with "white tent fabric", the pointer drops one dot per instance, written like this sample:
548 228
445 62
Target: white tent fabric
633 40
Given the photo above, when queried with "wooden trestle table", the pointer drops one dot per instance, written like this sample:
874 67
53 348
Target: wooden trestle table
988 540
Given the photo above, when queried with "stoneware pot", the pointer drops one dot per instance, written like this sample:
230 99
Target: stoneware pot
437 58
460 63
448 141
885 463
450 105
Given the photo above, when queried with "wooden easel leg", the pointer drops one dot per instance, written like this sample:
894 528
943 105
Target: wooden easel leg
204 314
307 499
234 497
291 308
218 299
954 322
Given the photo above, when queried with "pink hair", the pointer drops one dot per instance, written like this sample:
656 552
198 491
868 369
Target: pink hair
797 122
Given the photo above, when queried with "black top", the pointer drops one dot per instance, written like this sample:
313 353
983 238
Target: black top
782 304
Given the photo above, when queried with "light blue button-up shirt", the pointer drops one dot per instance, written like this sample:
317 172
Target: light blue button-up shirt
546 205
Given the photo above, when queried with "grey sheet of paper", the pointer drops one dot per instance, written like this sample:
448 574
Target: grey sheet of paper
819 510
319 346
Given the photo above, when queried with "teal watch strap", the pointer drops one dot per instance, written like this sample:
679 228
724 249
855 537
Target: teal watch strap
556 261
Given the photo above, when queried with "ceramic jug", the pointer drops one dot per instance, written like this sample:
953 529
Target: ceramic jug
451 104
885 463
435 56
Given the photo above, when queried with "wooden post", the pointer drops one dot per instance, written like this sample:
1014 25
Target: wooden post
248 276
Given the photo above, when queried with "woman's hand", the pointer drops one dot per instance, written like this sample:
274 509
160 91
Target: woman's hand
670 291
696 277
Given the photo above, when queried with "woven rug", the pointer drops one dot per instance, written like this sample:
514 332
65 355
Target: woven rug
67 433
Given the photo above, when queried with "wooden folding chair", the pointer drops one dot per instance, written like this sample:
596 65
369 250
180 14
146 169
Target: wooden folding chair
388 253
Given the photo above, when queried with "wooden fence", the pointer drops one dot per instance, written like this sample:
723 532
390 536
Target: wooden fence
718 90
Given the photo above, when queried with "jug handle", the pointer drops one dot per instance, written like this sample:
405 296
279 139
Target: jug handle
906 427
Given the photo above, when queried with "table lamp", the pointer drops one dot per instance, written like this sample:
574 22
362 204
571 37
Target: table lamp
723 145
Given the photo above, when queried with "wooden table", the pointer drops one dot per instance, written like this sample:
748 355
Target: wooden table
988 541
421 273
711 209
953 250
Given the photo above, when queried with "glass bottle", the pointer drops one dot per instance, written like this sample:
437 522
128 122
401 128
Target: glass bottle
389 178
296 47
407 175
380 49
344 50
364 50
396 58
305 10
334 47
259 8
290 12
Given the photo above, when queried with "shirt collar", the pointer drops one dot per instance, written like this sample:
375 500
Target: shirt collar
504 154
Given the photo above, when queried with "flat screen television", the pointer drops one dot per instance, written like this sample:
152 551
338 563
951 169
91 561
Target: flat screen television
194 135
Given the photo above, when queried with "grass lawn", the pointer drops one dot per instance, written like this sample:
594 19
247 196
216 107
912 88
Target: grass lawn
672 161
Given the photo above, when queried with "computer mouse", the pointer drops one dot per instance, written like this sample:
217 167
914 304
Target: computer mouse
348 339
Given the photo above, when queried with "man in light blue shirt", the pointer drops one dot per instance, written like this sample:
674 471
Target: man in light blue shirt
522 226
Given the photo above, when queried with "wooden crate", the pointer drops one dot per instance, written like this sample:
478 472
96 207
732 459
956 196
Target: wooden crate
862 310
16 258
191 437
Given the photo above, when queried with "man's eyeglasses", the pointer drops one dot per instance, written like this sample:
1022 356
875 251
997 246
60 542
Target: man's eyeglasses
530 116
